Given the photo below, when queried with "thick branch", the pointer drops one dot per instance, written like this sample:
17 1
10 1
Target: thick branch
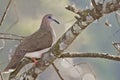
90 55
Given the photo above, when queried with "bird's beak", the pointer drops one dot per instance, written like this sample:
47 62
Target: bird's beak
55 21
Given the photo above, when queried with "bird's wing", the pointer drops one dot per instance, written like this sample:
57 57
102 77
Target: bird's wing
31 43
14 61
36 42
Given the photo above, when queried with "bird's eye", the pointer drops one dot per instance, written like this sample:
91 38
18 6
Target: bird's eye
49 17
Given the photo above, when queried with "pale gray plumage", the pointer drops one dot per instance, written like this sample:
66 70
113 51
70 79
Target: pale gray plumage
41 39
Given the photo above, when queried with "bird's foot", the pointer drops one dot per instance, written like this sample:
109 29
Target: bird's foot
35 61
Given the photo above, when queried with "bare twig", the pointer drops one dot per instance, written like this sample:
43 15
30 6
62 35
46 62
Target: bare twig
90 55
9 34
57 71
5 12
17 18
94 3
1 76
117 46
3 42
7 38
116 16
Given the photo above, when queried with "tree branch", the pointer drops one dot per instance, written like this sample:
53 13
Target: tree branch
9 34
17 17
57 71
1 76
5 12
90 55
10 38
87 17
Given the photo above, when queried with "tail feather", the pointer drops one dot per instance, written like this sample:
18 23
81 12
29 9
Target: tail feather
8 71
16 58
10 68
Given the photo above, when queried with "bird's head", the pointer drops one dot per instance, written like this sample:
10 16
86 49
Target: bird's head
49 18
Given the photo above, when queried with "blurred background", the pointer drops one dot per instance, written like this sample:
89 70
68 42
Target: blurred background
96 38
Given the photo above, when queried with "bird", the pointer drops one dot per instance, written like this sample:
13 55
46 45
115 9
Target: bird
34 45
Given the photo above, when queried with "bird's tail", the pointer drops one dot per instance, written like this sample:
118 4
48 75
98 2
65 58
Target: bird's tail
16 58
8 71
9 68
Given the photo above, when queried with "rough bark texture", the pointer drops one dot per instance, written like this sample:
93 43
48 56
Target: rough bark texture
90 55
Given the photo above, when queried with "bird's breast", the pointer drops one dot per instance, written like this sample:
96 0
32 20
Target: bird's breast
36 54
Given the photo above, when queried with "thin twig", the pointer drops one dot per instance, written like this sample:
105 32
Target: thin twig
3 42
4 14
9 34
10 38
1 76
117 46
116 16
17 17
57 71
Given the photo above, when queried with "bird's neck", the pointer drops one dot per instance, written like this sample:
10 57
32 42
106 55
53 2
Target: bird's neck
45 25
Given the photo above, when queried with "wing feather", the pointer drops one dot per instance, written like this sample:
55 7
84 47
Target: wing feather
37 41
